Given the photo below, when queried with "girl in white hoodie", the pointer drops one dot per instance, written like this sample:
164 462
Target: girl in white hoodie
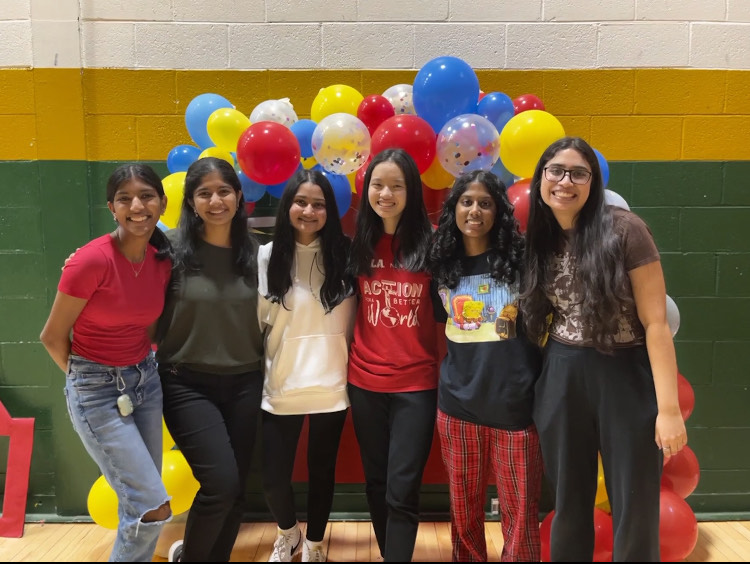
307 310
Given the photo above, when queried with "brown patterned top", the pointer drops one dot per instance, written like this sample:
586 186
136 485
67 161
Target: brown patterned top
565 292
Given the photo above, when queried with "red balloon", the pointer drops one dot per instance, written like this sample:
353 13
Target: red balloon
433 201
603 536
681 472
686 396
374 110
527 102
482 94
359 177
249 208
268 152
349 219
519 196
410 133
678 527
544 534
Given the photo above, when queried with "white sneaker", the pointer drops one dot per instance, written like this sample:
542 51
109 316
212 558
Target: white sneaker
175 552
313 551
288 543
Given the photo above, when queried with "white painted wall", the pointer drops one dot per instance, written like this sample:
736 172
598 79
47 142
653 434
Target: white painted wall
369 34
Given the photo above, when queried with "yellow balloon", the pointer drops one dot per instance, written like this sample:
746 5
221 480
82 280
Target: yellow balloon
525 137
436 177
335 99
601 488
179 480
308 162
102 504
166 437
174 186
225 126
218 153
352 178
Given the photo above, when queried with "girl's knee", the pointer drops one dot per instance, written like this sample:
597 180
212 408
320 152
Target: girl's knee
161 513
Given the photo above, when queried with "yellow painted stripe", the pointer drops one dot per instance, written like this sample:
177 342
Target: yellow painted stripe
118 114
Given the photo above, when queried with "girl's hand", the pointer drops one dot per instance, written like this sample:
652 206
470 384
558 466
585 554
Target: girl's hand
671 434
70 256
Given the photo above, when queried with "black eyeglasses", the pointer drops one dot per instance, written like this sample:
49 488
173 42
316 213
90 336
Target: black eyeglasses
556 173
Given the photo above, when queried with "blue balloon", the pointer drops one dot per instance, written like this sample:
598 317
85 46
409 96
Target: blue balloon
197 113
303 130
604 166
181 157
496 107
251 190
161 225
342 190
503 173
445 87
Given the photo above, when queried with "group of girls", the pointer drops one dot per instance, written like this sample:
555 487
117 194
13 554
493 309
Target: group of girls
586 280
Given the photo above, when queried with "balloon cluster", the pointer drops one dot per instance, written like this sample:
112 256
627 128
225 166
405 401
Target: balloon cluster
678 526
178 479
443 120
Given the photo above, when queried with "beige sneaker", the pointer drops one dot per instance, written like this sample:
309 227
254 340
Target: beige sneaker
288 543
313 551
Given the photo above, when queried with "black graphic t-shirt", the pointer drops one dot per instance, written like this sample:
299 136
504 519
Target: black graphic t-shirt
489 372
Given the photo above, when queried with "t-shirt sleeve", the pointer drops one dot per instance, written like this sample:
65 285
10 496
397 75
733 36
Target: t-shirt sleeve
441 316
638 242
84 273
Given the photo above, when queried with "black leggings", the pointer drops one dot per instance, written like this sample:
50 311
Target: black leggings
280 437
587 402
213 419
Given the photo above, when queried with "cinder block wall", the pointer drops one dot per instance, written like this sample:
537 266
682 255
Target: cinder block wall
661 88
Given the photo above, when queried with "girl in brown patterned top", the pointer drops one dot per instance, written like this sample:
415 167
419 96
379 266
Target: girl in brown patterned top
609 382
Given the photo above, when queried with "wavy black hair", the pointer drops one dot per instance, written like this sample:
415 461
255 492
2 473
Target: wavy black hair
413 232
190 225
505 249
147 175
596 246
334 245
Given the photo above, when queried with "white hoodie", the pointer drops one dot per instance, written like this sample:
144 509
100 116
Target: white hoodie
306 350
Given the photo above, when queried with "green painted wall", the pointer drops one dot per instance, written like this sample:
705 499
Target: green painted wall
699 213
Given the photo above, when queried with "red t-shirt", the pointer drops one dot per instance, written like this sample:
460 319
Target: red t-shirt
112 328
394 347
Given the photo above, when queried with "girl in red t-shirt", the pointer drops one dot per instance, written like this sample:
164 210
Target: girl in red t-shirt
393 357
110 294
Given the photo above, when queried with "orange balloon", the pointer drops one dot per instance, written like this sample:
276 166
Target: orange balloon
436 177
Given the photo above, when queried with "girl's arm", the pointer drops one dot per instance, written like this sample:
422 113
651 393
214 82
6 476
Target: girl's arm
651 302
56 333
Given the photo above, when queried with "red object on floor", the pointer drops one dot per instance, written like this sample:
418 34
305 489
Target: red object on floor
21 433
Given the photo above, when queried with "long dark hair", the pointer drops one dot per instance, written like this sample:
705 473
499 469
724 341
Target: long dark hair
190 226
147 175
334 245
505 250
595 245
414 230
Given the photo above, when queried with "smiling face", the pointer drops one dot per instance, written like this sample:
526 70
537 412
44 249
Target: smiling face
215 201
307 213
475 216
387 194
137 207
564 197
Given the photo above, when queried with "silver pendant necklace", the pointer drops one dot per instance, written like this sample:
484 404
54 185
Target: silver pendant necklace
141 262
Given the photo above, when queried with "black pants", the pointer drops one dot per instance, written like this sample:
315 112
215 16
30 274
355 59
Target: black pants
280 437
395 433
586 402
213 419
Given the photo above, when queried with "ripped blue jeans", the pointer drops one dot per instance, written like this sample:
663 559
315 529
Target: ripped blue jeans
127 449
